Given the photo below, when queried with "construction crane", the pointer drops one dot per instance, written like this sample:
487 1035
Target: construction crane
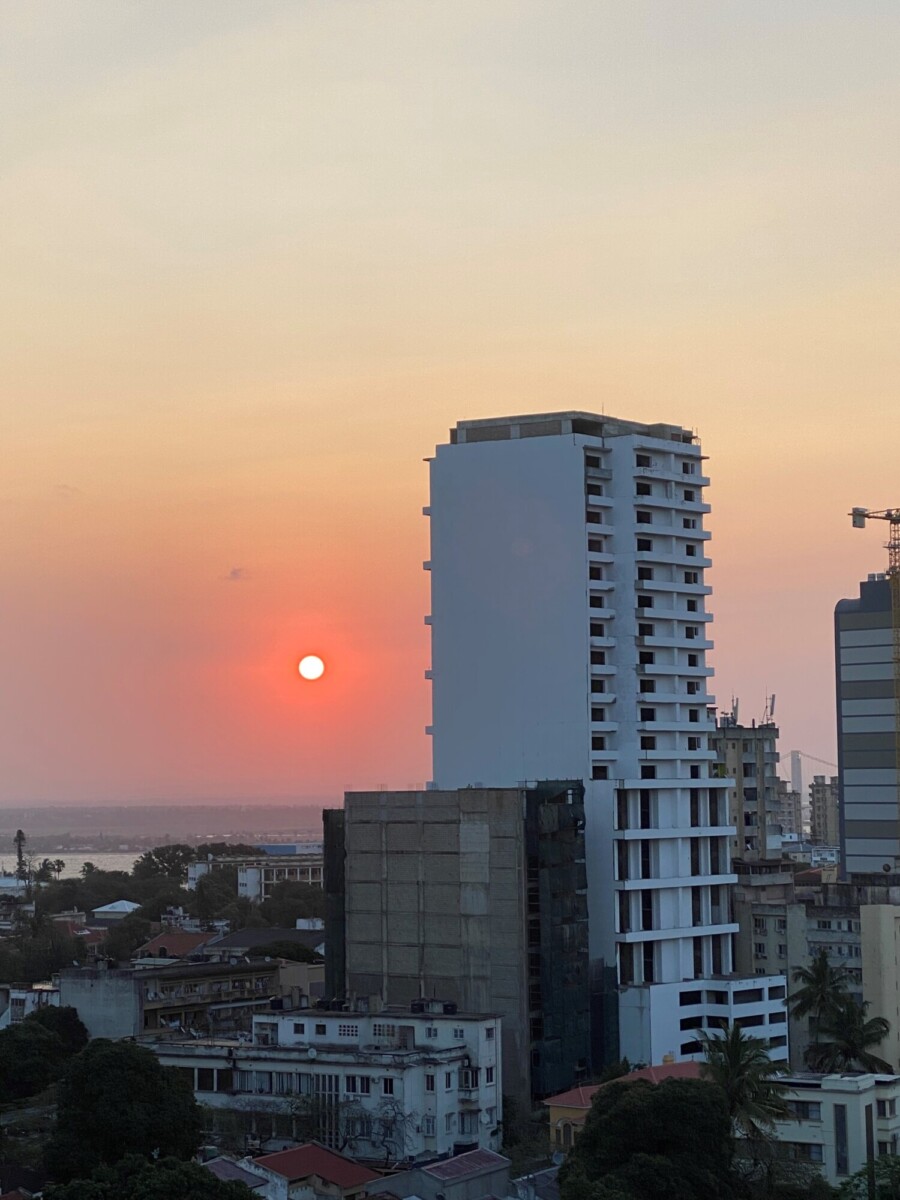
859 517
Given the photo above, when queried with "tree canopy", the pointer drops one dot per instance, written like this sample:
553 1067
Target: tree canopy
171 861
289 900
116 1099
644 1141
134 1178
65 1023
741 1067
31 1058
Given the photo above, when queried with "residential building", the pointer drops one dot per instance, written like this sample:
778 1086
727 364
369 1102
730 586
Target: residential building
228 1170
569 634
867 730
840 1122
20 1000
789 809
880 926
258 874
252 941
476 895
111 914
401 1084
173 943
824 811
568 1111
315 1171
747 756
172 997
475 1175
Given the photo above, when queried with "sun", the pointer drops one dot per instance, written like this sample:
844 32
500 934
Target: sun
311 667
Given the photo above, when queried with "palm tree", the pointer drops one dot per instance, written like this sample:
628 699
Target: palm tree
741 1067
823 989
850 1037
59 866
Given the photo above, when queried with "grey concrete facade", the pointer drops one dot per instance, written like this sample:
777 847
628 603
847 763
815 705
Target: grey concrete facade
445 897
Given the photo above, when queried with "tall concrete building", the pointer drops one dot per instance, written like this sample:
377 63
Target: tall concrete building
790 810
476 897
747 755
867 730
569 637
824 810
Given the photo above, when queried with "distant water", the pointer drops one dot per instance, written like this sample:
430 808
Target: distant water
102 860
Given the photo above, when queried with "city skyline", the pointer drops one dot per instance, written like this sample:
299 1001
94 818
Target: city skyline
261 259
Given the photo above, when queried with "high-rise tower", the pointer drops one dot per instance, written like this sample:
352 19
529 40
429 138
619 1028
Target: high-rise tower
569 638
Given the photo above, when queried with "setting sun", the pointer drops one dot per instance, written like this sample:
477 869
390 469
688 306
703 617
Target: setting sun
311 667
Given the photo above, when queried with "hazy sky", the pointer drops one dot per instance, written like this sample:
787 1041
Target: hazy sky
257 258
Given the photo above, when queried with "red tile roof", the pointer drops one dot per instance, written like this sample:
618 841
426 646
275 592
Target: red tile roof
581 1097
313 1159
177 943
469 1163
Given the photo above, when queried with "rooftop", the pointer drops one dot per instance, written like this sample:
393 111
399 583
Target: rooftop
563 423
228 1170
581 1097
471 1163
313 1159
176 943
251 939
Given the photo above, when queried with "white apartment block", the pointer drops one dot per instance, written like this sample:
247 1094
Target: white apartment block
569 637
416 1083
840 1122
258 874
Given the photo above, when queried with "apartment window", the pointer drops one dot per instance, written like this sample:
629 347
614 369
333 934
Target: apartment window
299 1027
643 460
690 495
431 1031
429 1083
598 714
598 686
622 871
842 1157
694 714
598 742
348 1031
691 551
645 572
624 912
691 632
688 468
647 685
365 1085
691 606
598 629
695 807
693 660
598 658
644 545
648 714
695 856
696 908
692 577
648 772
387 1086
643 488
488 1074
645 630
621 810
597 602
595 571
648 742
643 517
320 1030
599 771
592 460
693 687
459 1035
648 962
688 522
593 518
645 809
352 1085
698 956
646 910
428 1126
886 1108
646 657
448 1081
595 545
693 743
646 864
626 963
759 949
594 489
449 1122
645 601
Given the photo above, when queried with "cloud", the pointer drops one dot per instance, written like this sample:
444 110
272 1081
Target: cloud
237 575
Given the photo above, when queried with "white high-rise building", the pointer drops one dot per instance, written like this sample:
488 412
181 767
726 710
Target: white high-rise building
569 638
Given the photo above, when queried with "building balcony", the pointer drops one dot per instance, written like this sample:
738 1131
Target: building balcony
674 833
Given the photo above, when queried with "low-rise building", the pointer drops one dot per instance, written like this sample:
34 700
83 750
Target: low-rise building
252 941
476 1175
840 1122
312 1170
258 874
20 1000
111 914
402 1084
205 998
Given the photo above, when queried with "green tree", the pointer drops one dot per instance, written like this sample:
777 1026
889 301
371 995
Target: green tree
44 871
116 1099
172 861
822 987
644 1141
19 843
878 1180
741 1067
289 900
135 1178
31 1058
292 951
59 866
125 936
850 1038
214 892
65 1023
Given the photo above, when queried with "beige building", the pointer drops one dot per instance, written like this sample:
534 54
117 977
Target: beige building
747 756
880 927
824 811
790 809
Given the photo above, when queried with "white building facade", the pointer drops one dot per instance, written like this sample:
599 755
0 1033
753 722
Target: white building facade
257 875
569 637
419 1084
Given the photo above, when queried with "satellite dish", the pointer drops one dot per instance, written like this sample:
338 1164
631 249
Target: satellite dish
311 1052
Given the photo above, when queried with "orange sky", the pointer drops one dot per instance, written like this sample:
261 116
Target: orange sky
257 258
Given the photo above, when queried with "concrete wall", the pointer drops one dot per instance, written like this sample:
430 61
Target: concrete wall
435 905
108 1003
880 931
